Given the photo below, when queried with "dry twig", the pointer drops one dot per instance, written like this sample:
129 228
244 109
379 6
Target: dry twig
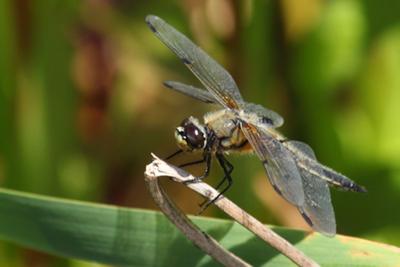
159 168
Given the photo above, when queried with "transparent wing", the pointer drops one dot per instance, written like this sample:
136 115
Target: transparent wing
317 209
278 163
191 91
214 77
266 116
323 172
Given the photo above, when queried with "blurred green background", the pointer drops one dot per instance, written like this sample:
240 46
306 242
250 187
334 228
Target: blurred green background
82 103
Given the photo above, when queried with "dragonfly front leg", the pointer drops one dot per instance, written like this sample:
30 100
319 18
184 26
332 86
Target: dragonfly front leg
207 160
227 167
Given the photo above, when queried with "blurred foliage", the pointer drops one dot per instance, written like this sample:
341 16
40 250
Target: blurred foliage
82 103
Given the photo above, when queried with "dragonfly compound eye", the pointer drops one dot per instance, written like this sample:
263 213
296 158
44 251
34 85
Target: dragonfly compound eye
191 135
194 136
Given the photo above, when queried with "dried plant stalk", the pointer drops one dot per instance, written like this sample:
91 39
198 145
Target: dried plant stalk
159 168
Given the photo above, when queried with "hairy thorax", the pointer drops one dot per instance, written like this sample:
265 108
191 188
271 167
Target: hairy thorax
226 128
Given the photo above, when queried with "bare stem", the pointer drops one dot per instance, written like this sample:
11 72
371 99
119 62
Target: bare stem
158 168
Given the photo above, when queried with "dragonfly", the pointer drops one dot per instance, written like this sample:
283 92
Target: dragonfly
239 126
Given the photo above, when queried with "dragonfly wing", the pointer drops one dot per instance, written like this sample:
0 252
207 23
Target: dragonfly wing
278 163
214 77
266 117
191 91
331 176
317 209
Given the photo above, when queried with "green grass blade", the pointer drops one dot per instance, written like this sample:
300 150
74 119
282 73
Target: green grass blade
134 237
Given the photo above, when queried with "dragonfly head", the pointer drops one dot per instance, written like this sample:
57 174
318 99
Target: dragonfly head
191 135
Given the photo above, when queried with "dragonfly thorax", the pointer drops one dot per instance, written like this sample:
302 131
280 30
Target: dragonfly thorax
191 135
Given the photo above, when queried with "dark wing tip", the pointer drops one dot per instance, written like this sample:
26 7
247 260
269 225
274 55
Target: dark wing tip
149 20
326 231
306 218
267 120
168 84
186 61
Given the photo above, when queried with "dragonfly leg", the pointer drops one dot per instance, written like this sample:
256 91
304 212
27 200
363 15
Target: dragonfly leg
174 154
207 160
227 168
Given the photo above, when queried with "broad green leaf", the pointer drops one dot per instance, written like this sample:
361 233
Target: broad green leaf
134 237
